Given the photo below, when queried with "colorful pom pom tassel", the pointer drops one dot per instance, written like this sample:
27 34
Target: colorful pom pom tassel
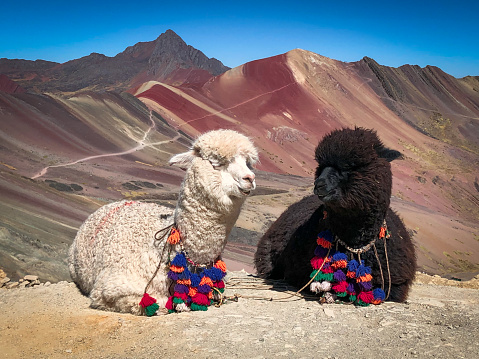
149 304
194 291
174 237
344 278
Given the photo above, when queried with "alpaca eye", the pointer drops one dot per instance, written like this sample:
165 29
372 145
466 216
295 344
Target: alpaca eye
216 165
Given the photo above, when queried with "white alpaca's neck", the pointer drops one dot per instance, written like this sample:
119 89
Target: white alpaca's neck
205 217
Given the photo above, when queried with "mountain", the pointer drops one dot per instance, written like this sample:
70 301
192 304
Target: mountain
167 59
66 152
288 102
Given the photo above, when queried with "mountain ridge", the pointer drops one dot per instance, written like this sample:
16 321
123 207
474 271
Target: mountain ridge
158 60
115 144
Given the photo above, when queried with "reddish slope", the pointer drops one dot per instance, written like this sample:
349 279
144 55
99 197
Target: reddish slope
288 102
9 86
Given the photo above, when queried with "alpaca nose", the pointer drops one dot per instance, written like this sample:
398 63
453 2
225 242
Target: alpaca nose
320 187
249 177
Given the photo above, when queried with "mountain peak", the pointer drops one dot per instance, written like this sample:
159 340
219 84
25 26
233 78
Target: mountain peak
171 53
170 34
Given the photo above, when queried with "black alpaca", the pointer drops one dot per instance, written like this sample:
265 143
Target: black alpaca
352 195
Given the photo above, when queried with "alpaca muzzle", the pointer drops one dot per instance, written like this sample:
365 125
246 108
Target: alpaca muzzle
320 187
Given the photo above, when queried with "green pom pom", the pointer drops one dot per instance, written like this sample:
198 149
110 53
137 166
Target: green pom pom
352 298
171 311
196 307
361 303
313 273
341 294
325 276
178 300
151 309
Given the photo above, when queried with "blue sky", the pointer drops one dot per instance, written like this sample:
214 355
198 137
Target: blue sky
440 33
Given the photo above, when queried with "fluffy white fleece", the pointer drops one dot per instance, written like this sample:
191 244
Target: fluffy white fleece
115 254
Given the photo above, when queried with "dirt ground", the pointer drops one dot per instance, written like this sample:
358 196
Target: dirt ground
439 320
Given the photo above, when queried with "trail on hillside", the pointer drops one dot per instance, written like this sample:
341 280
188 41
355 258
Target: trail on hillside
217 113
141 144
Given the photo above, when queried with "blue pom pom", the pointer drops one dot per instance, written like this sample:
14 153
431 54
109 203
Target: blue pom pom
195 280
186 274
179 260
362 270
214 273
327 235
339 256
353 265
378 293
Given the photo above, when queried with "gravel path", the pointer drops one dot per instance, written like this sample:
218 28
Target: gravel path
55 321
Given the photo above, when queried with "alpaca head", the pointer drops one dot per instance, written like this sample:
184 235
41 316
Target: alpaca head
353 172
221 163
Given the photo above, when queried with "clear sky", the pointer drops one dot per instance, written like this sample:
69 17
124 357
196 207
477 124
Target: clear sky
440 33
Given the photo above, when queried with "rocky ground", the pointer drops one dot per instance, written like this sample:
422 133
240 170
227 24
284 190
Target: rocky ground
439 320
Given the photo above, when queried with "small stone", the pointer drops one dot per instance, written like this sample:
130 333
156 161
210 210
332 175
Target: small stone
47 284
329 312
23 284
297 330
4 280
31 278
12 285
387 322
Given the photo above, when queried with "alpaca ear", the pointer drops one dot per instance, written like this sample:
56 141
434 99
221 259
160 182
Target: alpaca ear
388 154
183 160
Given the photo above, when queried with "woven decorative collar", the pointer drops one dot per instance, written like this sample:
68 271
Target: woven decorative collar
193 289
333 275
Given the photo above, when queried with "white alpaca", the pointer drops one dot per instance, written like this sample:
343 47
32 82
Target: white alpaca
115 255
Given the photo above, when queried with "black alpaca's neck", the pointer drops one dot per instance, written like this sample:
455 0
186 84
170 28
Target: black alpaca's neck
355 229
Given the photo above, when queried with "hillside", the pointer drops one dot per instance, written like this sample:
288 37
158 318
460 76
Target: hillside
69 144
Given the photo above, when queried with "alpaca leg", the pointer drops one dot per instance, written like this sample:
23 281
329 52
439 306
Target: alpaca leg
118 294
399 292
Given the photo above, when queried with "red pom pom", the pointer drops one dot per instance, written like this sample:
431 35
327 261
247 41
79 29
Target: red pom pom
147 300
219 284
182 296
340 287
200 299
316 262
366 297
169 303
